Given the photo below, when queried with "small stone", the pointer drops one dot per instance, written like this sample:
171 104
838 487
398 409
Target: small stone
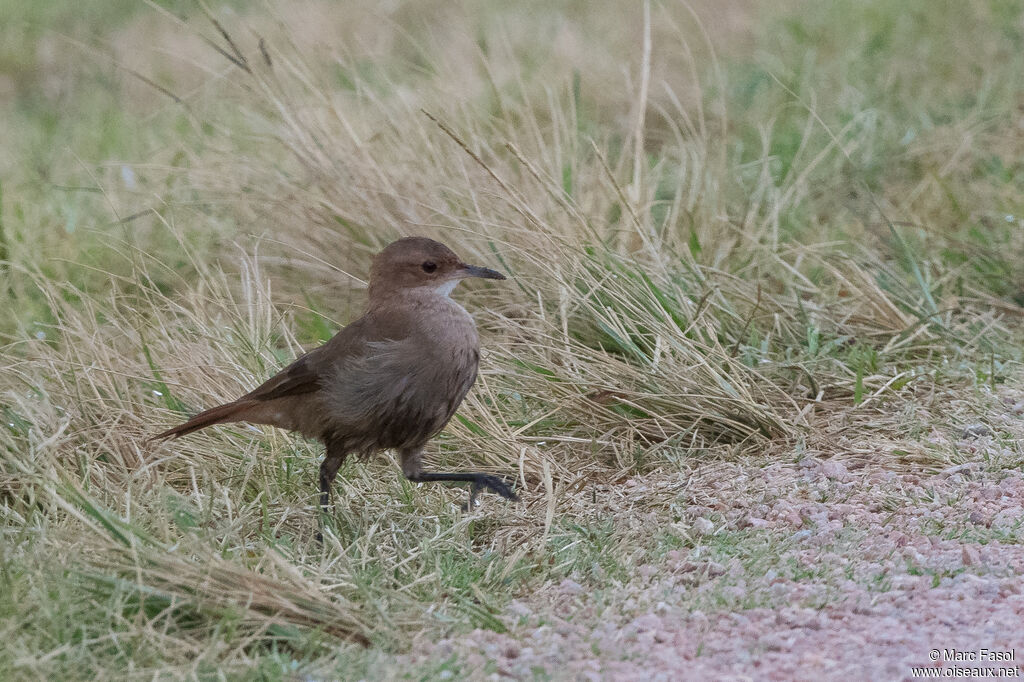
801 535
977 518
715 569
775 643
1008 518
646 623
834 469
975 431
991 493
966 467
970 556
912 554
739 619
904 582
570 587
736 592
703 526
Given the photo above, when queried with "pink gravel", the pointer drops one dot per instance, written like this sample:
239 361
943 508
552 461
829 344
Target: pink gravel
874 567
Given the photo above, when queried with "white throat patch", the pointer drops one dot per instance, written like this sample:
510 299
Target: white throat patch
446 287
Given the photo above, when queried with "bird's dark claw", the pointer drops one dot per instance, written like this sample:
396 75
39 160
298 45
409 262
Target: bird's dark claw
495 485
488 482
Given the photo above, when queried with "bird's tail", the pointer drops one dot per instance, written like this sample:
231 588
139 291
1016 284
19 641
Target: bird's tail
228 412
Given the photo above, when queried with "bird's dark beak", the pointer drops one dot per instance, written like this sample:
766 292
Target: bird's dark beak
477 271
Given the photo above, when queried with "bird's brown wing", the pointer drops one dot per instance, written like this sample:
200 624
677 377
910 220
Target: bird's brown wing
295 379
305 374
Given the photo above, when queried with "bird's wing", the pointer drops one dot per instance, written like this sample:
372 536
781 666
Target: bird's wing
372 347
305 374
295 379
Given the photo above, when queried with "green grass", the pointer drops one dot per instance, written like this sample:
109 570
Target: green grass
818 219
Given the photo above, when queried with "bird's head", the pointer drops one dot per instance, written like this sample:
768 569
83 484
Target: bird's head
420 263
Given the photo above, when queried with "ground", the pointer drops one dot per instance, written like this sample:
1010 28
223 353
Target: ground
756 371
794 583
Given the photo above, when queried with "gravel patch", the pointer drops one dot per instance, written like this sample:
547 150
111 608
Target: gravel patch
815 569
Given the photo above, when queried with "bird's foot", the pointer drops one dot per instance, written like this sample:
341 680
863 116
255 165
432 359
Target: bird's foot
487 482
477 483
495 485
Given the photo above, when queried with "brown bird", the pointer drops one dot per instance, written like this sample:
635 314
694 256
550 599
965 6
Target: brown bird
390 380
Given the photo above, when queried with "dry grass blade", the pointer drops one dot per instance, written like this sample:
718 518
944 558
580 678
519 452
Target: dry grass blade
209 585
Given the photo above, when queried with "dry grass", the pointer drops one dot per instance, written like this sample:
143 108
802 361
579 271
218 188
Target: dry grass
686 280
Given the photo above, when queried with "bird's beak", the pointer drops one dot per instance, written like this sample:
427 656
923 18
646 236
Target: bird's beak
477 271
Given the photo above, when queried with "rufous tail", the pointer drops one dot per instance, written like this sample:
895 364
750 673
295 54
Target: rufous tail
228 412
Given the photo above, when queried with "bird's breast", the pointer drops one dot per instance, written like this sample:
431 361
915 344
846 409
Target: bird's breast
405 391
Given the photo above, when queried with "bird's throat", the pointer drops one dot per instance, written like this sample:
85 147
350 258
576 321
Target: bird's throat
446 288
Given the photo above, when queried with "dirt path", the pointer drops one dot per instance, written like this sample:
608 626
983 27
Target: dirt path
811 570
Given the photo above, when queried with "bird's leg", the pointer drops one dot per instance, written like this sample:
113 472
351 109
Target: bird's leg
478 482
328 471
413 470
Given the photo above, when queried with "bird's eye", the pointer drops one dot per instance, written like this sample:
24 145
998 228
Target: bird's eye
429 266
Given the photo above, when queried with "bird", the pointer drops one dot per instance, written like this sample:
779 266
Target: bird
391 380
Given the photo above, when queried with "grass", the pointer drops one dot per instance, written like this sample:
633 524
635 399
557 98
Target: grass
767 229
